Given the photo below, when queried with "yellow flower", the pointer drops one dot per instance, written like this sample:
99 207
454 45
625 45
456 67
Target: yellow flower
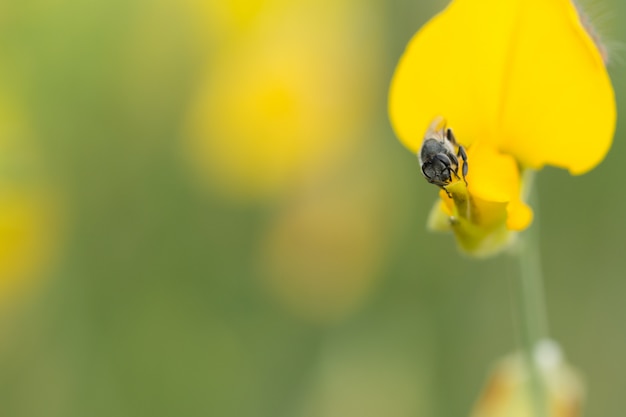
522 85
29 207
284 100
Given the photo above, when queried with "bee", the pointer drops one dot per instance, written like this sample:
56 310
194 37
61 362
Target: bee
439 155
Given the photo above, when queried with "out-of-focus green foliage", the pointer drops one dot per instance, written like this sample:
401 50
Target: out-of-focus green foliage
204 212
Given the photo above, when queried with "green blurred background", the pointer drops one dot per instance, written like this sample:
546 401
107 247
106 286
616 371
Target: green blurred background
205 212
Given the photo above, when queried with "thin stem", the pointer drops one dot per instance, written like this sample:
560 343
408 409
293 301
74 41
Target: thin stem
531 310
531 282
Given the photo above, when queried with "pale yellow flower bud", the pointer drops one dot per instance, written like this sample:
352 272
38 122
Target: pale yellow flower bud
508 392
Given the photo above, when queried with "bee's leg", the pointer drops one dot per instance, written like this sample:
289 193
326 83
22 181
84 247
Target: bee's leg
456 173
450 136
461 154
428 178
447 161
443 187
453 168
444 159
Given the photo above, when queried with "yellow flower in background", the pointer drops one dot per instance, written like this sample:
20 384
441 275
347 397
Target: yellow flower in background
29 212
507 391
522 85
219 19
322 255
285 99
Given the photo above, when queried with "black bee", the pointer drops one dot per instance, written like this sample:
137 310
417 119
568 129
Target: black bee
438 158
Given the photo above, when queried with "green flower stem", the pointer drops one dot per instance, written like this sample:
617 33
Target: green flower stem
531 310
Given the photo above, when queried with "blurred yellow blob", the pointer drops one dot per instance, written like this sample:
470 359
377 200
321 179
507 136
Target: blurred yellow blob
321 258
520 79
286 99
28 209
215 18
23 237
507 391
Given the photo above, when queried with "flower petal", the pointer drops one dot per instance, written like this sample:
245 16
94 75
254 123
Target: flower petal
439 217
523 75
506 393
559 106
452 67
518 215
492 176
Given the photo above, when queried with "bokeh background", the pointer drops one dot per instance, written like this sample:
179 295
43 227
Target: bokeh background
205 212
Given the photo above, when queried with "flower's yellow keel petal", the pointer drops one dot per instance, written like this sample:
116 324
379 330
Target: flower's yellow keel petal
495 177
558 104
492 176
518 215
455 67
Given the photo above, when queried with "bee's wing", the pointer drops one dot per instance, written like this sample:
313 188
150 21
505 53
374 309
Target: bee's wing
437 129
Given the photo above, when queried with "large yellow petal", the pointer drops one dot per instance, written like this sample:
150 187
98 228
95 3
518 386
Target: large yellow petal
522 75
453 67
559 105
